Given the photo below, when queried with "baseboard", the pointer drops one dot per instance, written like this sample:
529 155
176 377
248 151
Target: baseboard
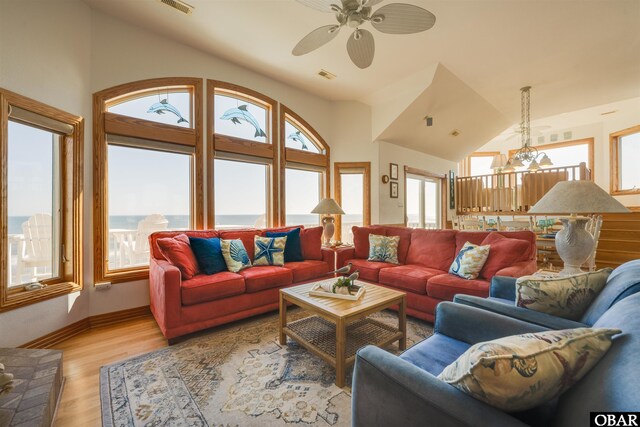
56 337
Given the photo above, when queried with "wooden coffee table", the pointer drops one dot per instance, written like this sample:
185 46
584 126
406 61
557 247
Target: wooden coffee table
338 328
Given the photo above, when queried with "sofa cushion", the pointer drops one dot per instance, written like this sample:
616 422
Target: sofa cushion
311 243
405 241
308 270
408 277
469 261
504 252
383 248
269 250
208 252
177 251
153 238
435 353
445 286
203 288
432 248
361 239
477 237
369 270
235 255
266 277
293 247
245 235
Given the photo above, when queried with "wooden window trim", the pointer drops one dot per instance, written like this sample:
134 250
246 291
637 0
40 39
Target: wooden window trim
588 141
72 166
614 157
105 122
338 167
218 143
300 158
408 170
465 166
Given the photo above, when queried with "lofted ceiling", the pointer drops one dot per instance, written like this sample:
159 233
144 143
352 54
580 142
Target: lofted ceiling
575 54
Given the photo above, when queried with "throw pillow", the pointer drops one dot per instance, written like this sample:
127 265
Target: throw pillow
269 250
293 248
235 255
178 252
562 296
208 253
523 371
311 242
383 248
504 252
469 261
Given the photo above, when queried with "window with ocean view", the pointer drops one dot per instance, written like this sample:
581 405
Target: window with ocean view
303 192
169 106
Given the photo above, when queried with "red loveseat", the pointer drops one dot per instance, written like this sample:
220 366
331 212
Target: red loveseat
425 257
184 306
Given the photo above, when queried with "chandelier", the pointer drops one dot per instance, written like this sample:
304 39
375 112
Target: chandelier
526 153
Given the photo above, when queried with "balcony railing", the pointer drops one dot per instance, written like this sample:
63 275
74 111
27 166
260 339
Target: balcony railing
511 192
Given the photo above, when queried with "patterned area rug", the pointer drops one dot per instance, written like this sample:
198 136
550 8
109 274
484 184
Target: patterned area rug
236 375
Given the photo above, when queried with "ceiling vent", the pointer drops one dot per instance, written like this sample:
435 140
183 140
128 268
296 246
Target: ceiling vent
327 75
608 112
455 132
179 5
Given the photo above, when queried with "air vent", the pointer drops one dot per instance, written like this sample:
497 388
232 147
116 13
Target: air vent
327 75
455 132
179 6
608 112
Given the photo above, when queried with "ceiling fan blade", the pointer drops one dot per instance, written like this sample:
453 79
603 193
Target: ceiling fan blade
315 39
402 18
361 49
370 3
321 5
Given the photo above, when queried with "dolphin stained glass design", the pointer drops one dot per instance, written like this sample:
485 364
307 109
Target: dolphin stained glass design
163 107
241 114
298 137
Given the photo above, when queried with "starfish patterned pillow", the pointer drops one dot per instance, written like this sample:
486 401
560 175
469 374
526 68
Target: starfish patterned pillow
269 250
235 255
521 372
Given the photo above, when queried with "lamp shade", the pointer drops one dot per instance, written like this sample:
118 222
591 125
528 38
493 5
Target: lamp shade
499 161
577 197
328 207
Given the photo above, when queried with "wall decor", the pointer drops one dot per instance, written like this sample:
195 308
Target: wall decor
452 191
394 190
393 171
385 179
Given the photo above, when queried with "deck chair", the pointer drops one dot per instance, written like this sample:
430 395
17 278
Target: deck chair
37 246
136 247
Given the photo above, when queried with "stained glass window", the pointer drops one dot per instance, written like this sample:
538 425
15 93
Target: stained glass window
297 138
240 118
160 105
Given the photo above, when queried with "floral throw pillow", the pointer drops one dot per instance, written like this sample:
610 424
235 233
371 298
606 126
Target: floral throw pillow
469 261
563 296
521 372
269 250
383 248
235 255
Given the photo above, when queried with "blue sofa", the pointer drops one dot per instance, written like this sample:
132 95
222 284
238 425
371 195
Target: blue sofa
623 282
403 391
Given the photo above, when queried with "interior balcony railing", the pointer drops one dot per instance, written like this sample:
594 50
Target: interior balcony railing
511 192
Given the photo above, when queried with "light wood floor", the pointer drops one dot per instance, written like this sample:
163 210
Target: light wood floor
83 356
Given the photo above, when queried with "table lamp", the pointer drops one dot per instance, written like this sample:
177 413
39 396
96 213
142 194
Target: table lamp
328 207
574 244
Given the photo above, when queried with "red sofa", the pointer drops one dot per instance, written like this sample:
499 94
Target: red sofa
184 306
425 257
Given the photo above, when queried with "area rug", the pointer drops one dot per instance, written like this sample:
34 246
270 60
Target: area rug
238 375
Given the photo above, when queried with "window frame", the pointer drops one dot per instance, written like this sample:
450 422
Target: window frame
338 168
226 147
614 161
105 123
71 191
443 192
465 165
299 159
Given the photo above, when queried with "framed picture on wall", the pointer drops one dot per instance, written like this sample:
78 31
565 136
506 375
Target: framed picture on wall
393 171
452 191
394 190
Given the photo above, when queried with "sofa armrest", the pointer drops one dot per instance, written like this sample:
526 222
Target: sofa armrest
164 293
329 256
389 391
344 254
519 269
507 308
503 287
473 325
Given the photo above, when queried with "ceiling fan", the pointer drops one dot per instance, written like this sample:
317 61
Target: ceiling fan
394 18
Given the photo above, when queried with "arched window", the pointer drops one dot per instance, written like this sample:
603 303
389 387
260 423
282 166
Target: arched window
304 169
242 155
148 169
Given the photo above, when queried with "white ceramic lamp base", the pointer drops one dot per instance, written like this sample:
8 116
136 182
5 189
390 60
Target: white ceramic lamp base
574 244
329 229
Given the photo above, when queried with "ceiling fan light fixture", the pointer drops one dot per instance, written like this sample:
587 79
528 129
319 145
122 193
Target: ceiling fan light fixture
546 161
533 166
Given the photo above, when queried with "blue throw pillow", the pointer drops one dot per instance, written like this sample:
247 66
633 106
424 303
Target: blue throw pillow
208 254
293 247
